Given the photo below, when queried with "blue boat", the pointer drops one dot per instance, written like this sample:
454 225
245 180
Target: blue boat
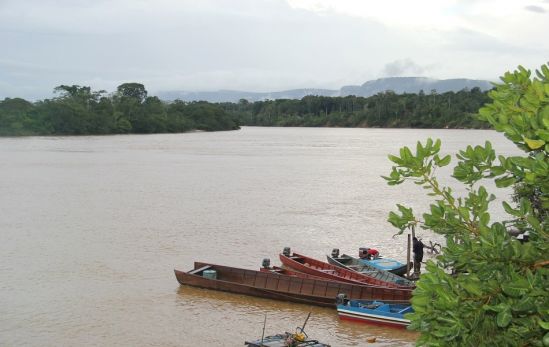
354 264
387 264
374 312
382 263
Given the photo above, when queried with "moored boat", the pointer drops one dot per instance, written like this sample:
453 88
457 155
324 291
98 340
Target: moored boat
266 267
374 312
297 339
271 285
284 340
382 263
354 264
319 268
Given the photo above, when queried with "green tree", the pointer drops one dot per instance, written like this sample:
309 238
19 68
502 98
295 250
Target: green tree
486 288
14 118
128 101
134 91
153 117
91 111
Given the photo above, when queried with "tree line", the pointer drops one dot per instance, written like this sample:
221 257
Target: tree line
77 110
384 110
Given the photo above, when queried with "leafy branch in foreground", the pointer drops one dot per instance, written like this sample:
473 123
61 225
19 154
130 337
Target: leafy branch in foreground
486 288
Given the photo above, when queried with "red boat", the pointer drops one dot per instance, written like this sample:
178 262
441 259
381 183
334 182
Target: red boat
271 285
319 268
289 272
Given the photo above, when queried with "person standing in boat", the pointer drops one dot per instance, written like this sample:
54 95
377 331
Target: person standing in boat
417 247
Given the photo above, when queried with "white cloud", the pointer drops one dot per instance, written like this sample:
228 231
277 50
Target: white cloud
419 14
261 45
403 67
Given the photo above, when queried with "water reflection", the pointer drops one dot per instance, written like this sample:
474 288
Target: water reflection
247 314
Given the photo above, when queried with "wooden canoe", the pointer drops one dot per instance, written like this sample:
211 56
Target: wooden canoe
288 272
319 268
270 285
354 264
291 272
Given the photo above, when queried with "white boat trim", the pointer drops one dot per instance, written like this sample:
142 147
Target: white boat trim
373 317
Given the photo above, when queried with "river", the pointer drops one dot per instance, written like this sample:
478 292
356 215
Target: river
93 226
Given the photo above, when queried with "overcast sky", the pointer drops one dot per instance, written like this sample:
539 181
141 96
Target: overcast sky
261 45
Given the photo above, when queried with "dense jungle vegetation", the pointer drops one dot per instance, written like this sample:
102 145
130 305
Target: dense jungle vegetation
77 110
80 111
384 110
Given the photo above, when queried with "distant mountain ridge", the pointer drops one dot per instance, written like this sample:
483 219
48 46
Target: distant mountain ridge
397 84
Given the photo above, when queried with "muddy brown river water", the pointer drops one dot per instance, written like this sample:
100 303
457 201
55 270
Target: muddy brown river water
91 229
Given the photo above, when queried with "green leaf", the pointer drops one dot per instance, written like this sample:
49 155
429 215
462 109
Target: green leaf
464 212
509 209
516 288
543 134
497 170
485 218
534 144
444 161
505 181
472 287
525 304
395 159
534 222
420 300
543 324
504 318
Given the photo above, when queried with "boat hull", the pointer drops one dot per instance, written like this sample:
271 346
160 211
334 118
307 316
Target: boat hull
389 317
358 265
282 287
319 268
390 265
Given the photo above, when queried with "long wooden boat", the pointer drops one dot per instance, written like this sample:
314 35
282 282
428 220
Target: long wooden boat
281 287
375 312
316 267
287 272
290 272
354 264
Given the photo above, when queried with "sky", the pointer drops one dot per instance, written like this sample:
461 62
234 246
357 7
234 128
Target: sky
261 45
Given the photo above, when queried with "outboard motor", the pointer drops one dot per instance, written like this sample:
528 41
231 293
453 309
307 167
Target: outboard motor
363 252
286 251
341 299
335 252
266 263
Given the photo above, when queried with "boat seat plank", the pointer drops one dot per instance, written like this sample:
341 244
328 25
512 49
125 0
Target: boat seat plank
195 271
404 309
